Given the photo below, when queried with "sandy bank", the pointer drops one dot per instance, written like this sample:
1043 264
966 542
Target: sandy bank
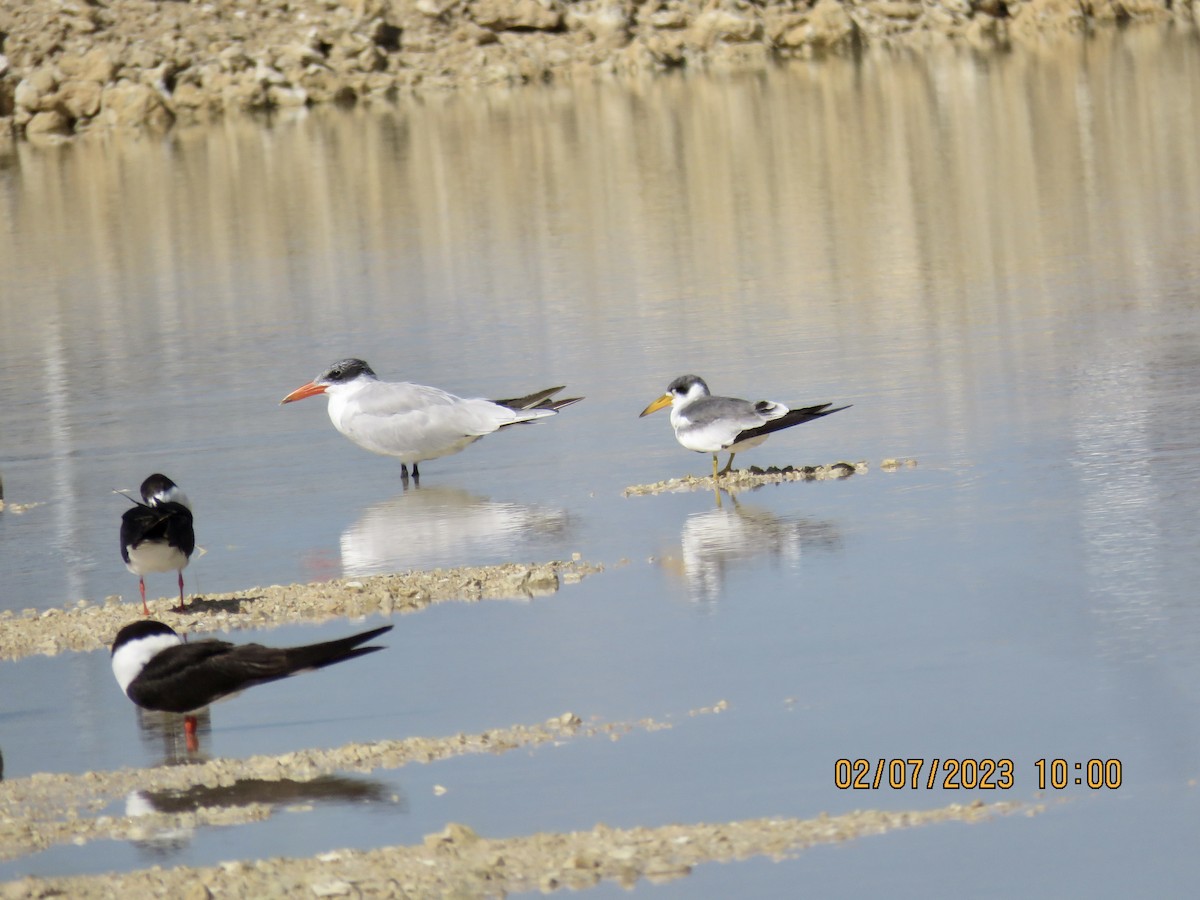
458 862
92 626
70 65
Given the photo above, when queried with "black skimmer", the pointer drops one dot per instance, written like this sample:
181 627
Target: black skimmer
709 424
156 535
158 671
414 422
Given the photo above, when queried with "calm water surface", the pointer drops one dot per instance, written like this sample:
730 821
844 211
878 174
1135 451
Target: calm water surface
994 260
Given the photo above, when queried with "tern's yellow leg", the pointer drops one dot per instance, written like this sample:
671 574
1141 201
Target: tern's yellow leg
714 467
728 466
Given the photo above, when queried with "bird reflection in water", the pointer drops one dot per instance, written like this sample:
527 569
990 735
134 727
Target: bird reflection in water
426 527
163 838
719 539
169 734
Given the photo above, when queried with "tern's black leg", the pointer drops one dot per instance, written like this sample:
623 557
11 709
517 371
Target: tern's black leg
416 474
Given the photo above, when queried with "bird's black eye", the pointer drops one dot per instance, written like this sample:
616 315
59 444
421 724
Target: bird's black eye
336 372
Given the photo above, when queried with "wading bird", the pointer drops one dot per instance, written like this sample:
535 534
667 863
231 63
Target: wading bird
411 421
156 535
709 424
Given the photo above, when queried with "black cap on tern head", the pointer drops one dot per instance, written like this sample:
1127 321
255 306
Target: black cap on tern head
156 484
345 370
685 383
135 631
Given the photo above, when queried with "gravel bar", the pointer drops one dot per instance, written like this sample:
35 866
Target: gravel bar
90 626
460 863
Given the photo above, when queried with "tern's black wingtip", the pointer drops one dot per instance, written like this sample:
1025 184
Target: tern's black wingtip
374 633
357 640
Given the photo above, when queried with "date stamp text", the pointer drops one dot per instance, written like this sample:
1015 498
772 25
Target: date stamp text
924 773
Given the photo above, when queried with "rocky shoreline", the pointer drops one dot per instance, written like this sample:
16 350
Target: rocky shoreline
67 66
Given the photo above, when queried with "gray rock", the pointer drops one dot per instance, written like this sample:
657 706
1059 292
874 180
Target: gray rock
435 9
896 9
97 65
34 88
127 104
369 9
189 95
282 96
827 26
43 123
609 24
80 99
723 25
502 15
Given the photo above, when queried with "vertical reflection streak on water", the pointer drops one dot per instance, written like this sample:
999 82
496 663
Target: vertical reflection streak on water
62 456
1119 525
1115 404
437 234
1086 130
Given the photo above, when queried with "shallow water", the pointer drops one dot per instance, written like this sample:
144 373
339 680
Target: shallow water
992 259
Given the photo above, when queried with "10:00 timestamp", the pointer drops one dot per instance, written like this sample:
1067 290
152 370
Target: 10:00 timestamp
971 774
1095 773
